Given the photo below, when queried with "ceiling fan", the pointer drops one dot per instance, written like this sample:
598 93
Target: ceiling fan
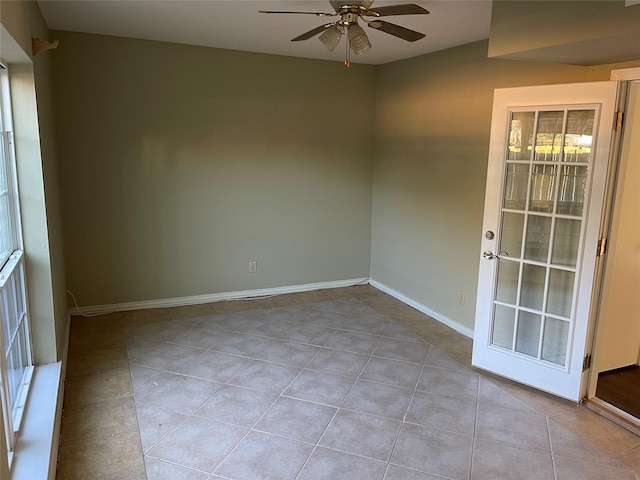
350 11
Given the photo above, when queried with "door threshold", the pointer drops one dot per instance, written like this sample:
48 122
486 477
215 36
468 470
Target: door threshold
614 414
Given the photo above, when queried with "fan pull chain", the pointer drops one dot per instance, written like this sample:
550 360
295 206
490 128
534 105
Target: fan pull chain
347 55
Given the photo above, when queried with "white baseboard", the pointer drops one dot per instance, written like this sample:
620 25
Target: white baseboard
458 327
267 292
214 297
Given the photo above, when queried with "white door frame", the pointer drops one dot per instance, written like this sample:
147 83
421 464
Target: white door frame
627 74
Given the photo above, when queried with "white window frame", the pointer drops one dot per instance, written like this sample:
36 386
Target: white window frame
13 292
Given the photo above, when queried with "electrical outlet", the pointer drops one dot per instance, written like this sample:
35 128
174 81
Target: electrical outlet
461 297
253 266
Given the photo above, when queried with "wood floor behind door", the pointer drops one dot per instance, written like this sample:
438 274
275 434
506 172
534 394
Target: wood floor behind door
621 388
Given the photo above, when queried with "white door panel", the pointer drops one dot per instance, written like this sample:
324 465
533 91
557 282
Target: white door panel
546 181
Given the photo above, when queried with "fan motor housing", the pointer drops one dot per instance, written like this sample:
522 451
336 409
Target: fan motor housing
350 17
338 5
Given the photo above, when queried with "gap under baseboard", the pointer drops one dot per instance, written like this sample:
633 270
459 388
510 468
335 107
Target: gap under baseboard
214 297
267 292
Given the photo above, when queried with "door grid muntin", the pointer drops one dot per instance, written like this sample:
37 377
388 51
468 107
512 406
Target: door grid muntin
541 184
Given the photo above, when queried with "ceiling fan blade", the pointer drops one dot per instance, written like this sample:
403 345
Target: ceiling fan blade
312 33
396 30
317 14
404 9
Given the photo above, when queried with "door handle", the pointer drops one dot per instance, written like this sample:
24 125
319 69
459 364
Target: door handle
488 254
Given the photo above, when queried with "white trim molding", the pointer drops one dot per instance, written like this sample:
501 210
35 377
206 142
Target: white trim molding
36 452
214 297
268 292
626 73
457 326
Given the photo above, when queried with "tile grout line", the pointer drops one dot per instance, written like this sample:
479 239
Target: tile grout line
250 429
404 418
475 427
359 377
554 470
337 408
335 414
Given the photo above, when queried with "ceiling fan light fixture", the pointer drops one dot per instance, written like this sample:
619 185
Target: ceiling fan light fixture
330 38
358 40
349 13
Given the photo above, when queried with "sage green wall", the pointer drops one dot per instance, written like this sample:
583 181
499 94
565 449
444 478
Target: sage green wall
51 231
16 18
181 164
577 32
433 118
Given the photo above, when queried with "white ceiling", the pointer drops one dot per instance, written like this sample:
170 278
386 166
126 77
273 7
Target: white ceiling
237 25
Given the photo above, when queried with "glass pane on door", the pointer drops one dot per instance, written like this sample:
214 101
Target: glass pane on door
578 137
515 197
549 136
543 182
512 225
528 336
566 240
541 226
532 287
573 184
538 238
507 289
560 292
503 326
521 135
554 342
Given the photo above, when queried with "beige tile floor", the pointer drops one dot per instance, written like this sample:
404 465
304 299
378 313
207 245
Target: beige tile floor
335 384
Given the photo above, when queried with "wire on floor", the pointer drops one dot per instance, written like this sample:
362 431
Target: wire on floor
80 312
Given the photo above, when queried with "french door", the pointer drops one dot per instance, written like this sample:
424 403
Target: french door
546 182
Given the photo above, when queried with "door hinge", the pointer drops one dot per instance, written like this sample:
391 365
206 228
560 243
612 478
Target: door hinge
602 247
586 363
619 117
